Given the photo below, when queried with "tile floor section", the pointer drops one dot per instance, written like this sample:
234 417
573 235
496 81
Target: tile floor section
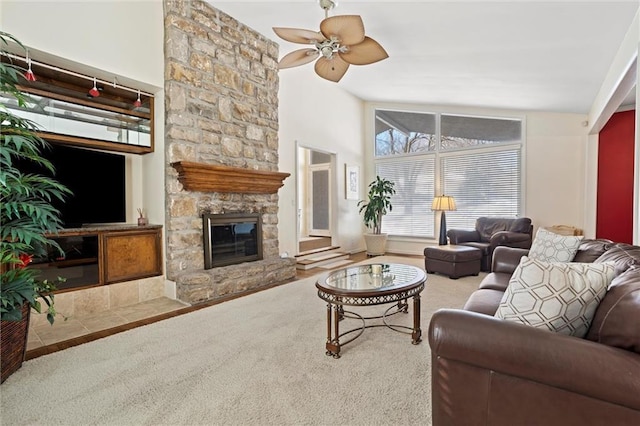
42 334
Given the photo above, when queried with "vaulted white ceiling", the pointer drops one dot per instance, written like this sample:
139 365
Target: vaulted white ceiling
518 54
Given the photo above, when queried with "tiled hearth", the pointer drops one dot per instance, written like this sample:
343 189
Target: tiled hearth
85 311
42 333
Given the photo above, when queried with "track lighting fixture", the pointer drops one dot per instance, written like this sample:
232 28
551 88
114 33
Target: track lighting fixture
29 75
137 102
94 92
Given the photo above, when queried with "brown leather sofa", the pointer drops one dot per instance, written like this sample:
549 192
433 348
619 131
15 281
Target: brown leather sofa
491 232
488 371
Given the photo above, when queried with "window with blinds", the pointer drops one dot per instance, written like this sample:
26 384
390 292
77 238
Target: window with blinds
477 160
414 179
483 184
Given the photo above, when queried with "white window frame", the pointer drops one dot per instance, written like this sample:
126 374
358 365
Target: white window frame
438 153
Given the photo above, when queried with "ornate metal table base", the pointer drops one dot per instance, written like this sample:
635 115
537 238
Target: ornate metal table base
397 294
336 313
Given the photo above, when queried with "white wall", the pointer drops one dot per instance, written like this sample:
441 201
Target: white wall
591 187
316 113
555 168
105 39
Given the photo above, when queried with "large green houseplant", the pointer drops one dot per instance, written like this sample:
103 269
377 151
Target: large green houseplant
373 209
26 213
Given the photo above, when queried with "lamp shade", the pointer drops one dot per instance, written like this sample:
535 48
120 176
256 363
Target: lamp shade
443 203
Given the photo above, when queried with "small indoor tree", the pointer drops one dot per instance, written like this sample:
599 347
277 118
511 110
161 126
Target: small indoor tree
373 209
27 216
377 204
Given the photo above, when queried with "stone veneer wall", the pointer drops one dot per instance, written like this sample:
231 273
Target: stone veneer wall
221 106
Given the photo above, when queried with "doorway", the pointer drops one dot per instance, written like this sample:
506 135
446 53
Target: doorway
316 176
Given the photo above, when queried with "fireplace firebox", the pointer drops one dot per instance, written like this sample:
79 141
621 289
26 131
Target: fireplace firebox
231 238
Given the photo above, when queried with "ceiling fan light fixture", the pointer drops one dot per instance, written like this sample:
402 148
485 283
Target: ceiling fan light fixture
340 42
328 47
327 51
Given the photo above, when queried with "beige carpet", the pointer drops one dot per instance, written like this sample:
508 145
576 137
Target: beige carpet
256 360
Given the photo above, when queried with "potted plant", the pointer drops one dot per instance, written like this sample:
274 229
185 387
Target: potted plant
373 209
27 217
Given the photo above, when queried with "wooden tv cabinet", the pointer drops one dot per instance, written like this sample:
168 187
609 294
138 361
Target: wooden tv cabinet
104 255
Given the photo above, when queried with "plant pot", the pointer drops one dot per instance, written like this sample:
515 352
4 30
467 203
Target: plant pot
13 343
376 244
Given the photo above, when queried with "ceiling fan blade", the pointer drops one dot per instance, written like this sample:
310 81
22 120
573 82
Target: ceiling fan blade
297 58
348 29
331 69
298 35
367 52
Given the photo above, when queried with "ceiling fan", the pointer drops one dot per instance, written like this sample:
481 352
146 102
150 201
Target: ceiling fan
339 43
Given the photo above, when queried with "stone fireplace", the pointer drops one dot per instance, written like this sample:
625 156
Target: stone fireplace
221 141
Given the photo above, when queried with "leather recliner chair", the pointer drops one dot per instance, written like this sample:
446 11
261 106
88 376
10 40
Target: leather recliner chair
491 232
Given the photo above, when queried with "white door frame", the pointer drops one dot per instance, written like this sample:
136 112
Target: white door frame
300 201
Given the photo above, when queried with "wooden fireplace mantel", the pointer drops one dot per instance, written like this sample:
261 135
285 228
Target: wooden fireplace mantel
217 178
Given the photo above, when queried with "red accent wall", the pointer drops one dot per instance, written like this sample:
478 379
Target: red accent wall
614 216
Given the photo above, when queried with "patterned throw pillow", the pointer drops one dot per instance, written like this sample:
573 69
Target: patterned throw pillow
550 247
556 296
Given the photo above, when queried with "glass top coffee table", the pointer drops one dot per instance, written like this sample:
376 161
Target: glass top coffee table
369 285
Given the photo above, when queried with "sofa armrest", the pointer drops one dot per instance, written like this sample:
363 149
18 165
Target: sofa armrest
523 352
511 239
457 236
506 259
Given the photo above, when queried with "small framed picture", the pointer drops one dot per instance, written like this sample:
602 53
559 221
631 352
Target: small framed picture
352 182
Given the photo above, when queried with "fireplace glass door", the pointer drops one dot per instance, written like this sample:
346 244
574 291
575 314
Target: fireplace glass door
231 238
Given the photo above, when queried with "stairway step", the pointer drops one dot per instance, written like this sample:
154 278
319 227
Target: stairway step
304 254
320 260
314 243
320 257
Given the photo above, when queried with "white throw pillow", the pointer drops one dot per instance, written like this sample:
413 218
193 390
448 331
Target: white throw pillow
557 296
550 247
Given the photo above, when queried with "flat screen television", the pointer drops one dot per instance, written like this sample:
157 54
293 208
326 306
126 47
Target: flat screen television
97 180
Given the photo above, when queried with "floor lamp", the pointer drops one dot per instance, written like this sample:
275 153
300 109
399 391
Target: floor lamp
443 203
